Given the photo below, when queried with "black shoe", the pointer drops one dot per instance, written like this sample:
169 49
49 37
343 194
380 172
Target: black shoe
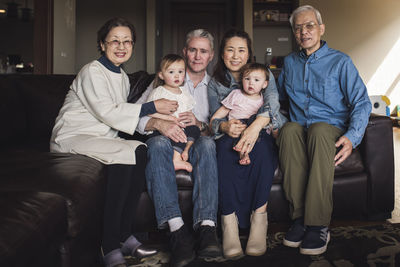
182 247
294 236
315 240
207 242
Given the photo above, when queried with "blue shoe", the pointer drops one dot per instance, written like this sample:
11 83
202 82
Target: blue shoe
294 236
315 240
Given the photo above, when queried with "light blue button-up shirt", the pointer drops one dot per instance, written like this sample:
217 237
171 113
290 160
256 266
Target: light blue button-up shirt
325 87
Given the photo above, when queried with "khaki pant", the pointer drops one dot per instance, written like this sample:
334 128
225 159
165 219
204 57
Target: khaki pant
307 161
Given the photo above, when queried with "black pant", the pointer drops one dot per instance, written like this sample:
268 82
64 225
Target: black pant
125 183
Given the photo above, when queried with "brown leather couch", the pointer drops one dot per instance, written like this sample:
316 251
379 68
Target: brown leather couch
51 204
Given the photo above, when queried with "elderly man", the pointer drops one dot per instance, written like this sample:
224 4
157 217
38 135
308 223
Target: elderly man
160 173
329 109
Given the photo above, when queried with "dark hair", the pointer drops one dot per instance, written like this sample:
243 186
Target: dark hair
246 69
249 67
220 68
166 61
108 26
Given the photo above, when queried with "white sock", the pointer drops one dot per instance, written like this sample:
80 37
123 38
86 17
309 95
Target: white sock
175 223
208 222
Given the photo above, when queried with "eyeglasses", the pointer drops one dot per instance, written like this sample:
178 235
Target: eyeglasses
116 43
310 26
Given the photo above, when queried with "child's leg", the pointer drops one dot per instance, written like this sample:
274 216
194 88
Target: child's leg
193 133
185 153
244 158
179 163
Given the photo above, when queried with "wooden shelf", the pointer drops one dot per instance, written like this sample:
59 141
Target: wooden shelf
285 3
271 23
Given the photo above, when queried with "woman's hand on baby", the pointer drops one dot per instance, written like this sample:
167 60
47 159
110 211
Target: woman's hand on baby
248 140
187 118
233 127
165 106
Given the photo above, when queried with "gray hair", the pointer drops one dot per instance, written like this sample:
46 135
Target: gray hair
304 8
200 33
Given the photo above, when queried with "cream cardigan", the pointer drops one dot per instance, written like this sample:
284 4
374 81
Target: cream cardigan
94 110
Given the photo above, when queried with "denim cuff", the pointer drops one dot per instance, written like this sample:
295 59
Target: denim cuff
197 221
178 149
163 222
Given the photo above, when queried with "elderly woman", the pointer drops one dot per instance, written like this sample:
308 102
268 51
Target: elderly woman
94 110
243 189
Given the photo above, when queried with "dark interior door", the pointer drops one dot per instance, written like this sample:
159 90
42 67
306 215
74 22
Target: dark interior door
184 16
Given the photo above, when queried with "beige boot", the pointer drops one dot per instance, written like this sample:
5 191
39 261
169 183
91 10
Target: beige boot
230 237
257 243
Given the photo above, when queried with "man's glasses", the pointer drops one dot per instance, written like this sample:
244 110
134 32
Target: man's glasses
116 43
310 26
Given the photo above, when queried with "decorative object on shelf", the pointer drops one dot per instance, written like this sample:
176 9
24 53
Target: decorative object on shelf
380 104
283 16
272 12
268 56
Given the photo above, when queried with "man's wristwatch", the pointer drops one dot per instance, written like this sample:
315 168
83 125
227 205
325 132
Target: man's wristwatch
203 126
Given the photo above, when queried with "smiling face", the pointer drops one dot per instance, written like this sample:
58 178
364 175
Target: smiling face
117 47
173 75
235 55
253 82
198 54
308 32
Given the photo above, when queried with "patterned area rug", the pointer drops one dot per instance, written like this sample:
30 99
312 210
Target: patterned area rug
349 246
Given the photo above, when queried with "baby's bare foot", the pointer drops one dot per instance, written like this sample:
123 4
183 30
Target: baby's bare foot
245 160
182 165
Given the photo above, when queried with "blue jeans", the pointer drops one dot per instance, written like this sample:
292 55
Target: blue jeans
161 180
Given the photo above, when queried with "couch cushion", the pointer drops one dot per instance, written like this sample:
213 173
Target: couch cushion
43 96
80 180
353 164
29 106
33 225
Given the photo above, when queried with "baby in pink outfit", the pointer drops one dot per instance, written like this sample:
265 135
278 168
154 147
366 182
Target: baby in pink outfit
243 103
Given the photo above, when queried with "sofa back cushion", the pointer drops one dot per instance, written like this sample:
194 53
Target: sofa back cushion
30 104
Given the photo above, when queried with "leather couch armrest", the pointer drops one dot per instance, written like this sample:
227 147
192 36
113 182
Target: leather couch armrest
378 156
